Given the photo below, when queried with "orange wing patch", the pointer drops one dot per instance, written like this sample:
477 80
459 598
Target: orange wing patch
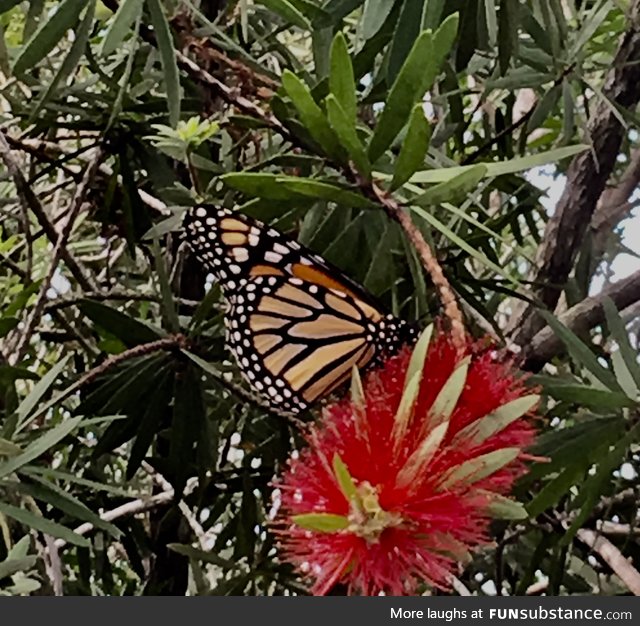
265 270
231 223
316 276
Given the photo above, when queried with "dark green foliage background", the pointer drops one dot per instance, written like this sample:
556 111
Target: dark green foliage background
174 418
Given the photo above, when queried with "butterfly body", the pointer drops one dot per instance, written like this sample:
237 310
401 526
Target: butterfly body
295 324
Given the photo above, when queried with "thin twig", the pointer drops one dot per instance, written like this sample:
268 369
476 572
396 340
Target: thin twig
169 343
430 264
129 508
26 194
612 557
56 255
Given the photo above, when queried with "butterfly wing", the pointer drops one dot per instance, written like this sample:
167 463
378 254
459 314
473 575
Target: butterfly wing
296 341
296 325
233 246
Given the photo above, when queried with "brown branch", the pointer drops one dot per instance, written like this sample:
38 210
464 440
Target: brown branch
612 557
580 318
586 179
430 264
614 204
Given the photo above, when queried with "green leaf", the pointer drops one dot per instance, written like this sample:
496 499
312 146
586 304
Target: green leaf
444 38
555 489
51 30
321 522
342 83
499 168
581 352
544 108
414 469
414 148
9 567
38 391
8 448
447 398
168 58
589 396
346 131
288 12
619 333
407 29
44 525
325 191
479 467
70 61
505 508
404 93
202 555
40 446
454 190
311 115
341 472
374 15
461 243
130 331
120 26
507 33
169 313
7 324
412 381
57 497
357 392
492 423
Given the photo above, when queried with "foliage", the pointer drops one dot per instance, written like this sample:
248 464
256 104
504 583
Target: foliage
115 387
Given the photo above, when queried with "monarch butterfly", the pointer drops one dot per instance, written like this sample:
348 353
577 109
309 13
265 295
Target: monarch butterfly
295 324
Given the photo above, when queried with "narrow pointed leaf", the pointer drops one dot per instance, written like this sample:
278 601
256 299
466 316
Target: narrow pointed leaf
505 508
480 467
40 445
321 522
581 352
70 61
419 354
288 12
342 84
446 401
311 115
454 190
341 472
167 57
121 24
487 426
9 567
374 15
499 168
346 131
44 525
404 93
418 462
357 391
50 32
414 148
619 333
38 391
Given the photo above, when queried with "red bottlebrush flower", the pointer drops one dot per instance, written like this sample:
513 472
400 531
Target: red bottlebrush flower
401 480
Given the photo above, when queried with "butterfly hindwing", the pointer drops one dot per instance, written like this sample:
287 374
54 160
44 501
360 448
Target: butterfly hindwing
297 341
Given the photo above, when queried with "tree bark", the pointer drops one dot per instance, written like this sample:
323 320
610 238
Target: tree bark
586 179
